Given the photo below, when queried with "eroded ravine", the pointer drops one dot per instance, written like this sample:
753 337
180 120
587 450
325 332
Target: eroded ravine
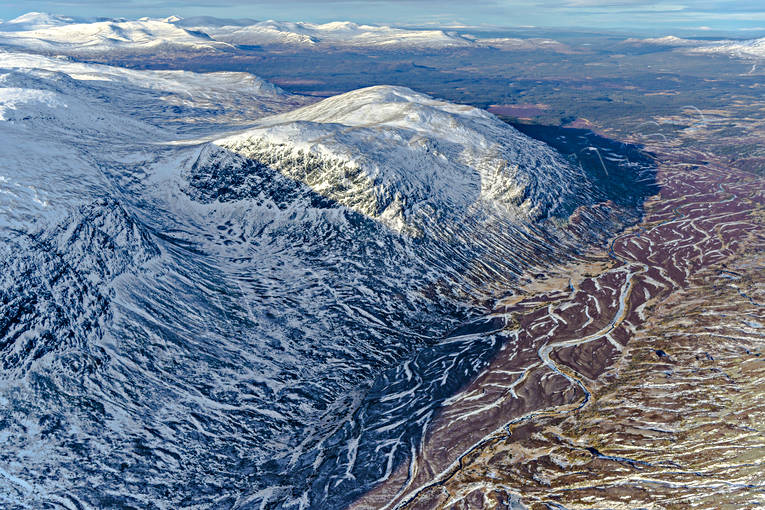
576 380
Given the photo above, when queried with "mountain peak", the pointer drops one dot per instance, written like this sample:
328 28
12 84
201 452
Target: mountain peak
39 19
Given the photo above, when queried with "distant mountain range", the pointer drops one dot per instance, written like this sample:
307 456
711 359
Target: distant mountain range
49 33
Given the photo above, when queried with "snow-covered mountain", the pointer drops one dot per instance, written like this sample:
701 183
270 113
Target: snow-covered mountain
163 98
64 35
410 160
201 277
345 34
35 20
334 34
745 49
750 49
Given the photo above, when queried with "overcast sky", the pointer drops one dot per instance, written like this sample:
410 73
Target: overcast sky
656 16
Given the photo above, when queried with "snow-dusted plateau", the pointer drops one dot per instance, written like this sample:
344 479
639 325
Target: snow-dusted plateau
218 294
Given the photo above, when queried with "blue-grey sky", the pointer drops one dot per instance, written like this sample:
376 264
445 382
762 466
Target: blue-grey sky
659 16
